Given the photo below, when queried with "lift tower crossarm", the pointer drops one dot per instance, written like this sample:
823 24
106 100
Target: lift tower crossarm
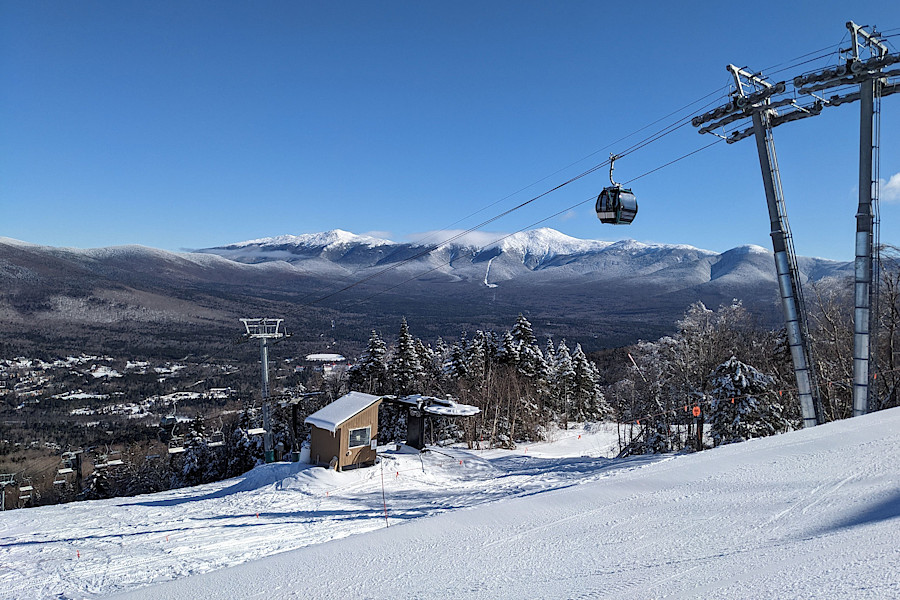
876 46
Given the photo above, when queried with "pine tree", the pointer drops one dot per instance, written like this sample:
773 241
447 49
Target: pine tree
404 368
563 383
456 366
480 354
550 352
369 374
743 405
508 352
588 397
431 362
522 332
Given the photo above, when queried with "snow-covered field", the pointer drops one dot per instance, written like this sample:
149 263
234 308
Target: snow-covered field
810 514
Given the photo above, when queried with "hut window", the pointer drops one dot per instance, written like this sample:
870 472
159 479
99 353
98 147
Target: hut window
360 437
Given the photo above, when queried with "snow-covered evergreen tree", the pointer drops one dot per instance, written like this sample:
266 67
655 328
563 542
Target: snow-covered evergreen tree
369 374
404 368
530 358
431 362
562 383
522 332
549 354
480 354
588 398
456 366
744 404
508 351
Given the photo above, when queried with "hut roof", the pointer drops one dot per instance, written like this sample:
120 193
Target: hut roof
340 410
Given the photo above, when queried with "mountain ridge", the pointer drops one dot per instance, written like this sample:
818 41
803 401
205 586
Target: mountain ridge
598 293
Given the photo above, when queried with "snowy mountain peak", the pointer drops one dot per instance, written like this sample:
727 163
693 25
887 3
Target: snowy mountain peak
325 239
546 242
750 249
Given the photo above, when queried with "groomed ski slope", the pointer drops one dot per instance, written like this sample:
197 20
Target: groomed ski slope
810 514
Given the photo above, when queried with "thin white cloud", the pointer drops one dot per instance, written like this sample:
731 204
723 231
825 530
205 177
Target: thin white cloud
382 235
568 216
890 189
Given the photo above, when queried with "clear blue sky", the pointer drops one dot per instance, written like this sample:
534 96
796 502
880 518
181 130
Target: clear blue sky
193 124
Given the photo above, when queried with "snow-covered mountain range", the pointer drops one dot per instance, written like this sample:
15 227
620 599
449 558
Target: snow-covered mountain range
596 292
538 255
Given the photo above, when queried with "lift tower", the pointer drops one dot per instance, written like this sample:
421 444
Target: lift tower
869 74
753 98
265 330
866 261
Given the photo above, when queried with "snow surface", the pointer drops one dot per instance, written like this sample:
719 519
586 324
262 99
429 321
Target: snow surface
329 417
325 357
809 514
325 239
543 242
547 242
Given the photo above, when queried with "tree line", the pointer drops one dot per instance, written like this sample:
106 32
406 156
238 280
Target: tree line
717 378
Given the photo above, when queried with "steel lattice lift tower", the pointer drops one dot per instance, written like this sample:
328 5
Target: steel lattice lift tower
265 330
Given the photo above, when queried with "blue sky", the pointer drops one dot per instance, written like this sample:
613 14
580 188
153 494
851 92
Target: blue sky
194 124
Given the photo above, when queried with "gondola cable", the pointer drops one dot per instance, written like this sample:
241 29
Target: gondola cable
633 148
536 223
636 146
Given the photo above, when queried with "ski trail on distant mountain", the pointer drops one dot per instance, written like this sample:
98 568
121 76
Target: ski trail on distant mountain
487 274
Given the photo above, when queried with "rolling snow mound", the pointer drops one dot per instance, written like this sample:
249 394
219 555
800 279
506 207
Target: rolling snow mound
809 514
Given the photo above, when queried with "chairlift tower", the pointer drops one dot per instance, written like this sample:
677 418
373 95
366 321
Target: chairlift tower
6 479
265 330
869 74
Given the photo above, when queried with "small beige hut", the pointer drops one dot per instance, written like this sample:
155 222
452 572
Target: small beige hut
344 432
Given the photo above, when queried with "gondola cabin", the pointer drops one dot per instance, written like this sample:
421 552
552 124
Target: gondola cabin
616 205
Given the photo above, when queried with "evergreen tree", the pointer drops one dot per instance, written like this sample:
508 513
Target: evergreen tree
480 354
522 332
563 383
508 352
550 352
588 397
530 358
369 374
431 367
743 404
456 366
404 368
